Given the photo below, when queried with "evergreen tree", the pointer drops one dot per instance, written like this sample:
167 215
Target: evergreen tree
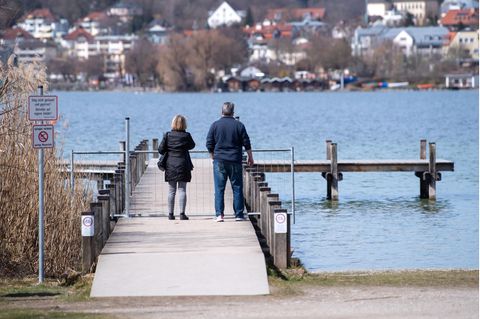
249 17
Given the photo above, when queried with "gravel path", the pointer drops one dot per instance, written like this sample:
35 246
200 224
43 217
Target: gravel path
310 302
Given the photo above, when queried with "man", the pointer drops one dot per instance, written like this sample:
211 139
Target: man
225 140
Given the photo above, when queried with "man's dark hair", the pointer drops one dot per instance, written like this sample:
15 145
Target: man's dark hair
228 108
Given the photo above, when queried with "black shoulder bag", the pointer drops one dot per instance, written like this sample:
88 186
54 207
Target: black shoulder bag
162 161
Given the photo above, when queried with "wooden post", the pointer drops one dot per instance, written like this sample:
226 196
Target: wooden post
273 204
105 216
328 143
112 194
423 177
280 254
333 173
423 149
96 208
264 190
122 149
118 193
155 147
432 169
133 170
88 248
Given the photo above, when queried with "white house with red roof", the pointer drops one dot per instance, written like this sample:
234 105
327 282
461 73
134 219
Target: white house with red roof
42 24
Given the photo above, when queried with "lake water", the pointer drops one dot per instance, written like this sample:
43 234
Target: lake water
379 222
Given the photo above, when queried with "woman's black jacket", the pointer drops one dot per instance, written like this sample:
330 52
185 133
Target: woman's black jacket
179 165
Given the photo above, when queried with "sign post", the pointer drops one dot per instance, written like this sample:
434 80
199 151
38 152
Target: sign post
42 108
41 273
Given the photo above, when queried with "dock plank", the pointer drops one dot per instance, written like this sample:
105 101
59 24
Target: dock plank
148 256
150 195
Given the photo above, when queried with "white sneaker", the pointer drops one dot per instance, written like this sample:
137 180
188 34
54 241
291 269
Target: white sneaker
241 219
219 219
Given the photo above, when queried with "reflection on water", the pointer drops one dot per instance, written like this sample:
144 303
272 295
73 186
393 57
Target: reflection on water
379 222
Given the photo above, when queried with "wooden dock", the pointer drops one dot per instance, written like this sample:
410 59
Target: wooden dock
149 196
153 256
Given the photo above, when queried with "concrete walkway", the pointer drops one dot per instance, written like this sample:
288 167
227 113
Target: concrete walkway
153 256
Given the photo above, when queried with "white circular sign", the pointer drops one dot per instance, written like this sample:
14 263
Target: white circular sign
87 221
280 218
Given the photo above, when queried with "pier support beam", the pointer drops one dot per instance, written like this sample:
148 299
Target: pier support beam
334 176
428 179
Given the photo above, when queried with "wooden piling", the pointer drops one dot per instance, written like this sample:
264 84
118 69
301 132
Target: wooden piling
264 190
328 143
333 179
273 203
122 149
432 187
421 175
96 208
423 149
155 147
88 248
280 254
105 216
112 194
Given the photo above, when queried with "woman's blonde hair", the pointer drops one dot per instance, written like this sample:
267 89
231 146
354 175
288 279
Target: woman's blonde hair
179 123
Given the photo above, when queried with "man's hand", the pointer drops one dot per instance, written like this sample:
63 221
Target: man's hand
250 161
211 155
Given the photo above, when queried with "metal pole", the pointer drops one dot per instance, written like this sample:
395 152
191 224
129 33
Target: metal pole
72 177
40 209
292 168
127 165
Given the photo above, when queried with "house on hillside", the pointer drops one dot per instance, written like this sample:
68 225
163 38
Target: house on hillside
423 11
411 40
283 15
378 8
126 11
460 19
43 25
224 15
466 43
112 48
95 23
157 31
78 43
27 48
448 5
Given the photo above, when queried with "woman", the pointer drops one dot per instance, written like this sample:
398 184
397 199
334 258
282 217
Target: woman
178 170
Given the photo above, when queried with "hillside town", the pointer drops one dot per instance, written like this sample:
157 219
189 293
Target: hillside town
421 44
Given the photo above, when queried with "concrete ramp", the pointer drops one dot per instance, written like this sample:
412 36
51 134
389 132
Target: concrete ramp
152 256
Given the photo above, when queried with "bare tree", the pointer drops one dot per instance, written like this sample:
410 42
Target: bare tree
141 61
173 65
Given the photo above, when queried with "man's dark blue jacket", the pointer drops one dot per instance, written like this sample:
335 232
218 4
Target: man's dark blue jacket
226 138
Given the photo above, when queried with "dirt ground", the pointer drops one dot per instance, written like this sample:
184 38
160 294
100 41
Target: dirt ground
299 301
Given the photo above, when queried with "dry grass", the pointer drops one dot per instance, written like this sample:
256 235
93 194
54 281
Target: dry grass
19 186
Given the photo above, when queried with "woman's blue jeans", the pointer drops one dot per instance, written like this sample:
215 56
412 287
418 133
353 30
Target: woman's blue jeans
232 171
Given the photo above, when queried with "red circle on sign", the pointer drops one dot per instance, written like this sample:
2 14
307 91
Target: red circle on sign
88 221
280 218
43 136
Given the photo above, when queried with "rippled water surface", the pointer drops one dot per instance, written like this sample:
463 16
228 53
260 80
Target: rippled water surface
379 222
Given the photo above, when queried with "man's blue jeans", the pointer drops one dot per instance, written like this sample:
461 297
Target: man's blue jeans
221 172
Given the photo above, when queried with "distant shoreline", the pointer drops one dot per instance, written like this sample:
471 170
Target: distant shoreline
149 90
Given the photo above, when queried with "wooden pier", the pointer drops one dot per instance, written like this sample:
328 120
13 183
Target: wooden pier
332 169
138 258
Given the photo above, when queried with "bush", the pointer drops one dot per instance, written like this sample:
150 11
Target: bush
19 186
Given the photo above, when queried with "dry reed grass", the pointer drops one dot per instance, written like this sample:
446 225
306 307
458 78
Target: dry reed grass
19 186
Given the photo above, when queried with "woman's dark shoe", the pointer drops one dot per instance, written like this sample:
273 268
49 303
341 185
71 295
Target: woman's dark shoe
171 217
183 217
